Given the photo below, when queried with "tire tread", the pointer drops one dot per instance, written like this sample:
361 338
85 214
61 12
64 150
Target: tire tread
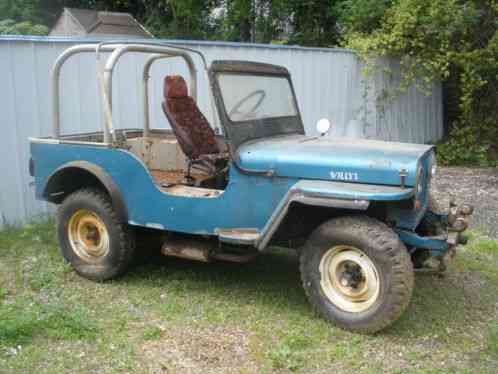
386 241
125 235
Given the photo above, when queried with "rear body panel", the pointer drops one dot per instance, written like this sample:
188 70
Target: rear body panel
246 202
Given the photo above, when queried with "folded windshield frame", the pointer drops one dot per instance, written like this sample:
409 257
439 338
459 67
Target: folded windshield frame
239 132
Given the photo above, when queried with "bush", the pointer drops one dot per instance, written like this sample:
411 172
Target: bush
463 148
10 27
436 38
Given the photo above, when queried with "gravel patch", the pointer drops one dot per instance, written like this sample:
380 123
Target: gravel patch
478 187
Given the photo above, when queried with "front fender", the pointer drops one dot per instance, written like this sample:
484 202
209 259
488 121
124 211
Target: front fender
338 195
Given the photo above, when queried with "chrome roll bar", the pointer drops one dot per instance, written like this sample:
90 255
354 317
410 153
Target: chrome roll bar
118 49
145 87
56 71
161 52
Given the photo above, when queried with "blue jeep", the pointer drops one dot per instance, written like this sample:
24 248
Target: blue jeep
359 211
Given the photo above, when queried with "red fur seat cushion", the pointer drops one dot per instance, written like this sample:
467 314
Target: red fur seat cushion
195 136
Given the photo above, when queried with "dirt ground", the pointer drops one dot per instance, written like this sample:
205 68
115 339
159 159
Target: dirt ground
478 187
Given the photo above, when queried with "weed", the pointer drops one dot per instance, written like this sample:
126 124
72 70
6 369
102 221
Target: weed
485 245
284 357
152 333
493 340
290 352
3 293
27 318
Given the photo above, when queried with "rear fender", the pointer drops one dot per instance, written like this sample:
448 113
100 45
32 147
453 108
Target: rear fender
54 188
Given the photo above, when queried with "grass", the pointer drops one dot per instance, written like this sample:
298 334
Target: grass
180 316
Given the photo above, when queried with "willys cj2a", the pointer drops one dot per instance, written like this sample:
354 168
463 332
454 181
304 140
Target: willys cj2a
359 211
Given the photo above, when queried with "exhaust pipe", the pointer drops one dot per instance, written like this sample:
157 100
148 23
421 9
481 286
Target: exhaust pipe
201 250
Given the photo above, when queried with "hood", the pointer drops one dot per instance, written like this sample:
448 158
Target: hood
340 159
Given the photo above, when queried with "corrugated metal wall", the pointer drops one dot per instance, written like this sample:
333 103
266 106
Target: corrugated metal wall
328 83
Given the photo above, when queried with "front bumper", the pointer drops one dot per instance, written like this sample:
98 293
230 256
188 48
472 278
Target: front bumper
457 222
448 229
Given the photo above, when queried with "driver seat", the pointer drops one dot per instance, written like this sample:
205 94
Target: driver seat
192 130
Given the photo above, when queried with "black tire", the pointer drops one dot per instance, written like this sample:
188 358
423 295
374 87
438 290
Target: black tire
120 244
385 251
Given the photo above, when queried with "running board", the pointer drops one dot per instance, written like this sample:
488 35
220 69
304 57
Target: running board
243 235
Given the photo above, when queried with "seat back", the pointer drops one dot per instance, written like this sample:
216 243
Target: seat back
194 134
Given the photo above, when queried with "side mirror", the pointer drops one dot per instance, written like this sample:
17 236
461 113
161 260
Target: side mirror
323 126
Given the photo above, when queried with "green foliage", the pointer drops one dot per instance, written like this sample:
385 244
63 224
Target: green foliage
187 19
18 10
361 15
281 21
482 244
238 20
313 23
26 17
464 147
3 293
10 27
437 40
493 340
26 318
152 333
291 352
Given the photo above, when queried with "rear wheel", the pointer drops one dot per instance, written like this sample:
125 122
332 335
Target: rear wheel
92 238
357 273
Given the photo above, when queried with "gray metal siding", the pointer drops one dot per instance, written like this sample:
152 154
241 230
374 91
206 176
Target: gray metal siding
328 83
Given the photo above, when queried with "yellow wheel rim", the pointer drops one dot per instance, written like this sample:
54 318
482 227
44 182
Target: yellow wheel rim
88 235
349 279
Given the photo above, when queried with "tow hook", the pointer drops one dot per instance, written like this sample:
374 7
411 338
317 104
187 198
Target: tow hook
457 223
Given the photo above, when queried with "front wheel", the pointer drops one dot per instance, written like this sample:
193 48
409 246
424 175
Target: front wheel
357 273
92 238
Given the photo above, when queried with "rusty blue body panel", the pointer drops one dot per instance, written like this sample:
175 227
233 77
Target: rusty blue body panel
249 201
326 158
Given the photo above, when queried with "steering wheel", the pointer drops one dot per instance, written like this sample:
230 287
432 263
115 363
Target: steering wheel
241 102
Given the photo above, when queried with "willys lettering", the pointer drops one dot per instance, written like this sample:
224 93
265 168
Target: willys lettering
344 175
